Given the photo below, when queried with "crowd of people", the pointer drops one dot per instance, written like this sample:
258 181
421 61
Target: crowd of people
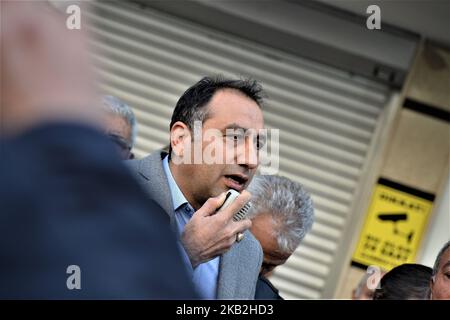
410 281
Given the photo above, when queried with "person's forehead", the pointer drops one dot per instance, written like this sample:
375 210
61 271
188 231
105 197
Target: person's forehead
117 119
262 227
264 222
265 225
445 260
116 124
232 108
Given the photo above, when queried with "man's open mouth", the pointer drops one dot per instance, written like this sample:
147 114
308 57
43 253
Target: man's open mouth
236 181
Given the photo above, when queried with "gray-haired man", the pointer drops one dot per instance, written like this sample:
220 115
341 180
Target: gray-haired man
121 125
281 213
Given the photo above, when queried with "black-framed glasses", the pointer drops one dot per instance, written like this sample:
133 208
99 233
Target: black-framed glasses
123 146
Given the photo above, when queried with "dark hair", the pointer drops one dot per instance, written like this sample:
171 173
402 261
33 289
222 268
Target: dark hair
191 105
405 282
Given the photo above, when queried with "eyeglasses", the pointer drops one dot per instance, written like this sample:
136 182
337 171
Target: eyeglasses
122 146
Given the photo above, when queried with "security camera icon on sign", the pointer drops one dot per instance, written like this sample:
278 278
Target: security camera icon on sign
395 217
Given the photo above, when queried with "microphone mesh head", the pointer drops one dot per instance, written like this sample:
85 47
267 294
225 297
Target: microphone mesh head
241 214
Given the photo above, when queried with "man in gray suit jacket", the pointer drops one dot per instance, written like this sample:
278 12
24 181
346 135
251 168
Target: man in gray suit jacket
215 135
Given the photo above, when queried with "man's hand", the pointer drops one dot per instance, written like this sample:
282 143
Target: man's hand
209 234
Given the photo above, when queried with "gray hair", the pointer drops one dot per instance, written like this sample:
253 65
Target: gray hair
289 204
116 106
439 257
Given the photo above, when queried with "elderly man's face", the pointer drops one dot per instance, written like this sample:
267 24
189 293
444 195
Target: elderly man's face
440 287
263 229
118 129
227 109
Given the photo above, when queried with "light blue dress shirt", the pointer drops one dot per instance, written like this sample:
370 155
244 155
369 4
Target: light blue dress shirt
205 275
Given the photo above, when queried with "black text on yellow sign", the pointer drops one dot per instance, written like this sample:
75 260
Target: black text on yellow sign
393 228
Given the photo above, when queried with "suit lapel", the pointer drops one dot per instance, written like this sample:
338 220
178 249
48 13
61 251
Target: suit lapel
156 185
239 266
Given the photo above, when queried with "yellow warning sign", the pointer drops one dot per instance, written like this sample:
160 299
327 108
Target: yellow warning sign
393 228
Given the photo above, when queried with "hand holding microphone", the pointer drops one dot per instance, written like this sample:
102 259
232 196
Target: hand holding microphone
216 226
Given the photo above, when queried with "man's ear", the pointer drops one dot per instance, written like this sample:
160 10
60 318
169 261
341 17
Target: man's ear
180 138
431 287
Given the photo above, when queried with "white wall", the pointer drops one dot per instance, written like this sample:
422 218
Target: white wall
439 230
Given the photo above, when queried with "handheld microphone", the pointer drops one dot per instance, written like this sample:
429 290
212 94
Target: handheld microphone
230 197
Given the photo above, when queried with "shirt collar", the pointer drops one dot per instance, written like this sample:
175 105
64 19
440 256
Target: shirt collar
178 199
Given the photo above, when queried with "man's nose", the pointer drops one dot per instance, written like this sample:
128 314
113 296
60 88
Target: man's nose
250 154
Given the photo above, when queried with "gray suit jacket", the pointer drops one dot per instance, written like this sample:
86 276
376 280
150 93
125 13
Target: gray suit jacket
239 267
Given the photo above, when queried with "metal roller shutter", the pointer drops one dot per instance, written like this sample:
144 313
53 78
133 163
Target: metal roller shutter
326 117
